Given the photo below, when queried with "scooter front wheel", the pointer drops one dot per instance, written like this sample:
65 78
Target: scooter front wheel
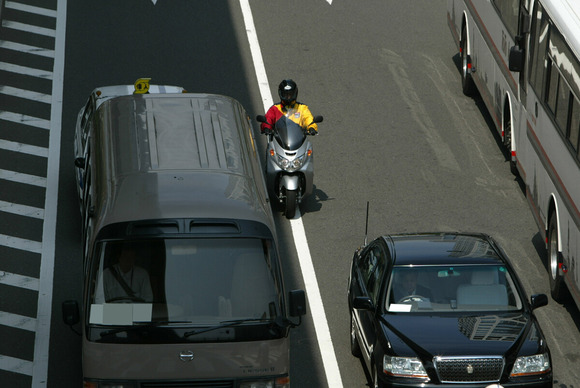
291 203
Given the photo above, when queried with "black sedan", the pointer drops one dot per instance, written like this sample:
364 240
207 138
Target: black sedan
444 309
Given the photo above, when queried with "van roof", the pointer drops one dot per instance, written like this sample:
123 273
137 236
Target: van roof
177 156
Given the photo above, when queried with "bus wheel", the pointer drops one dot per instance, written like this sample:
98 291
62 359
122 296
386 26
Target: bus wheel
507 142
466 81
557 287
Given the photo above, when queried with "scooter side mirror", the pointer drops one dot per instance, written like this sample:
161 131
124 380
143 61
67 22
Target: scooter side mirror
318 119
261 119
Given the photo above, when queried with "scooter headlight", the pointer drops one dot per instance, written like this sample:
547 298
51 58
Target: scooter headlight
283 162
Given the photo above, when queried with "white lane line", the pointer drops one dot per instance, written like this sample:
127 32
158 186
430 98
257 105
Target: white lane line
23 178
20 243
15 280
17 321
21 210
25 119
30 9
24 48
312 291
44 312
28 28
23 148
17 365
26 94
12 68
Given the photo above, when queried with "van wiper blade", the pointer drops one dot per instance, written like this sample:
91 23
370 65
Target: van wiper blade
230 323
140 325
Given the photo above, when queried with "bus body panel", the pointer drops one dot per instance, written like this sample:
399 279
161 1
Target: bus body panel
547 158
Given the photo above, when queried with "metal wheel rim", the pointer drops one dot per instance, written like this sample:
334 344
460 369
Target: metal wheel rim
553 252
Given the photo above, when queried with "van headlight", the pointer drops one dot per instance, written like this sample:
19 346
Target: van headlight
531 365
403 366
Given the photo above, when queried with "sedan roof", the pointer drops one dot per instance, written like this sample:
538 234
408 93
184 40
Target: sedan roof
443 249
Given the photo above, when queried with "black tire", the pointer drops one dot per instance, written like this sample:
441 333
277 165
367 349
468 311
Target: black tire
354 345
376 382
557 286
466 80
291 204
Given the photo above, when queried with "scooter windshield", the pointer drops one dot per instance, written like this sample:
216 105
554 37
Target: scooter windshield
289 134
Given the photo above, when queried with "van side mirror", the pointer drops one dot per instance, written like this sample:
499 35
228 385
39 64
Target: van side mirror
516 59
297 300
538 300
70 312
80 162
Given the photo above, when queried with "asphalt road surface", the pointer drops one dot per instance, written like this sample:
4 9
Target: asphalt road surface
397 133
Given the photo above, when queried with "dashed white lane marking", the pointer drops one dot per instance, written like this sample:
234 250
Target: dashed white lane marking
26 94
28 28
23 148
30 9
325 345
21 210
25 119
20 243
12 68
16 365
18 321
27 49
15 280
23 178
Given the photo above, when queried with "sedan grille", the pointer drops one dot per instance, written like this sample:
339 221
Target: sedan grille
469 369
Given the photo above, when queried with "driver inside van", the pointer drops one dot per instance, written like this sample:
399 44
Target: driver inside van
125 281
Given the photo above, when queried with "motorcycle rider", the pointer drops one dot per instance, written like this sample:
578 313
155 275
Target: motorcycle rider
290 108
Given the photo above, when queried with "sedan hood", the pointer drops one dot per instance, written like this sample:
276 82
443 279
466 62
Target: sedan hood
461 335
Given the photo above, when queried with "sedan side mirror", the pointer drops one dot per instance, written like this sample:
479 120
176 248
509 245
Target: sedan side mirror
363 303
538 300
297 299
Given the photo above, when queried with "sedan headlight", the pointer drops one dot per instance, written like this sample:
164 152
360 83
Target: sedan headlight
531 365
403 366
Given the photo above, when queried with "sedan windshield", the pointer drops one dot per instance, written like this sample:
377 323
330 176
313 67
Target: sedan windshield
452 289
192 282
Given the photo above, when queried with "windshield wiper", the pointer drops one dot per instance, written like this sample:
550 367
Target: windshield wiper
139 325
230 323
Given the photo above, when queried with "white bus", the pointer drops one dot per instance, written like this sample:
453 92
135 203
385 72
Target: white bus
523 56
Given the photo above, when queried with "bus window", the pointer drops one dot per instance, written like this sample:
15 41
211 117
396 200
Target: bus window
573 133
509 10
538 45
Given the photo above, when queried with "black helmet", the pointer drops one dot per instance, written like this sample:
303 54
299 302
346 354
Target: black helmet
288 91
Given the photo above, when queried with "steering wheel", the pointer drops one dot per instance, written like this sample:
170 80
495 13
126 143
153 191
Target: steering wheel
413 298
128 298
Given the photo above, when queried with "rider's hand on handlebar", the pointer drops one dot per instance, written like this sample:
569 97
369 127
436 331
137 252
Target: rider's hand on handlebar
312 131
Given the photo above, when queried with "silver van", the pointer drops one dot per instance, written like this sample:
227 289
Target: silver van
183 283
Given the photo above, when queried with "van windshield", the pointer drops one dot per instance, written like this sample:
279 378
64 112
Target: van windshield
183 281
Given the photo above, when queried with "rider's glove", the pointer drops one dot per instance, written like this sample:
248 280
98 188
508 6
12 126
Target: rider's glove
312 131
267 131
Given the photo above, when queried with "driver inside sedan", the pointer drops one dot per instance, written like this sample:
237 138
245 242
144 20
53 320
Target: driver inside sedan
406 285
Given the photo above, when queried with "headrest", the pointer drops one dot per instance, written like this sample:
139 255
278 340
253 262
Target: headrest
484 277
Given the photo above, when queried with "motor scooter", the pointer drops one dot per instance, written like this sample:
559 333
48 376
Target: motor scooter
289 163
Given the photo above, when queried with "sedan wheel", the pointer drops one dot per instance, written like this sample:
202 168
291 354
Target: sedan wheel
376 382
354 346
